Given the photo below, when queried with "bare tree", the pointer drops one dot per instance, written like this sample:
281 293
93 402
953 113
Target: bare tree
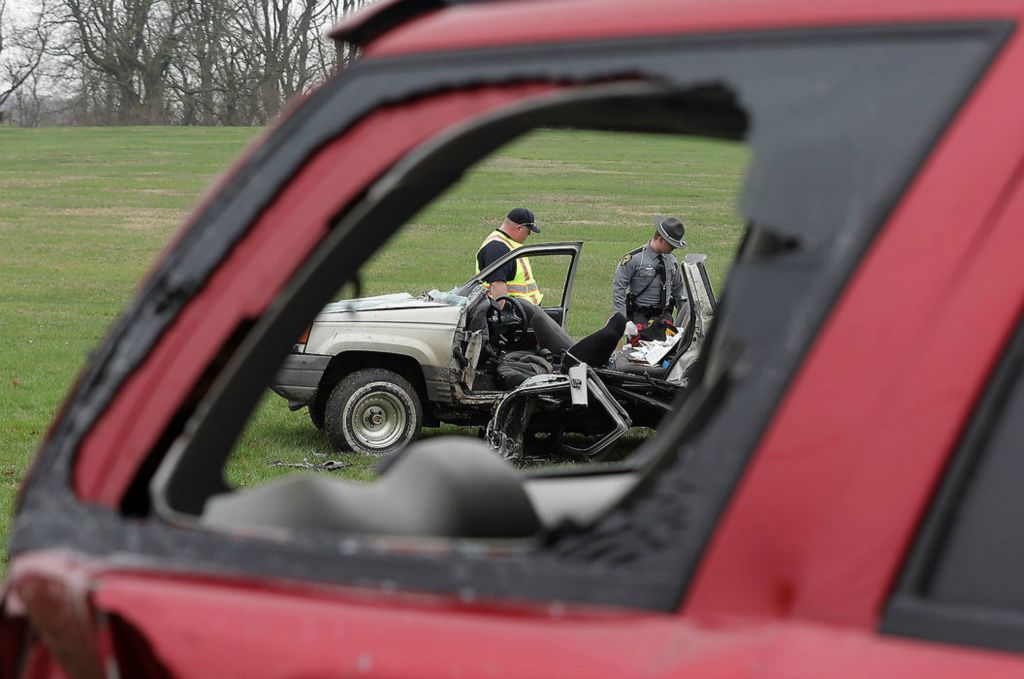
22 46
130 43
277 37
203 45
193 62
343 54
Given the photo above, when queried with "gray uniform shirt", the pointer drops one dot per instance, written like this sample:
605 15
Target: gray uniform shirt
638 268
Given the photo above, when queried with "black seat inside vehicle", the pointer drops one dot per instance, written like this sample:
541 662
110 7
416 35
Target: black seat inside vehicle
450 487
597 348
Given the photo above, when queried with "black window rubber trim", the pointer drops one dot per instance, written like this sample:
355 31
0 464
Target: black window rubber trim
912 609
643 554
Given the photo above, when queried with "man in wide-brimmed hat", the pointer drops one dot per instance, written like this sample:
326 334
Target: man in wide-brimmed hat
648 285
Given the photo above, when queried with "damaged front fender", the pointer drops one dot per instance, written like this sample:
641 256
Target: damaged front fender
514 412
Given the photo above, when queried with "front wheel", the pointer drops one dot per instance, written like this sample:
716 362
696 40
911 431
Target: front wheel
374 411
316 413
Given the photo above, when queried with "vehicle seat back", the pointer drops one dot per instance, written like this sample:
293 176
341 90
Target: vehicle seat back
449 486
596 349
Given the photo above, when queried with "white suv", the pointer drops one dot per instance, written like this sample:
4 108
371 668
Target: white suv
373 371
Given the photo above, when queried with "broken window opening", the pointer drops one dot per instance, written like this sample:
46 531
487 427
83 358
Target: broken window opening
585 186
370 392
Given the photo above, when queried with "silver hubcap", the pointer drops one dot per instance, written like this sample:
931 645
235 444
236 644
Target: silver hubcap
378 419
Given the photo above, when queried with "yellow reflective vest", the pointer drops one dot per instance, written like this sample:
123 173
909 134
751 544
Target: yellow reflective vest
523 285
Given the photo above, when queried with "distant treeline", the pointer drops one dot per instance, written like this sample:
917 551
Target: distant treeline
163 62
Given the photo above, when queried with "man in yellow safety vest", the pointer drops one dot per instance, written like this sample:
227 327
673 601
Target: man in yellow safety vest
514 278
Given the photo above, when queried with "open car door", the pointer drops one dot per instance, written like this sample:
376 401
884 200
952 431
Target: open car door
554 266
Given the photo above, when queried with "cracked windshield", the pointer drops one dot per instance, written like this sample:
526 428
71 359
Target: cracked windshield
551 304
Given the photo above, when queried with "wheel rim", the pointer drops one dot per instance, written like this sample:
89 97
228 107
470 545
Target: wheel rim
378 420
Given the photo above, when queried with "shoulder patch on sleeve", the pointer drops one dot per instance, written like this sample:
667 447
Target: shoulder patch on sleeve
625 259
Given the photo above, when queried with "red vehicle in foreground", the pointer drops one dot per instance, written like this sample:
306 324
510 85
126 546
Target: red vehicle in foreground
838 496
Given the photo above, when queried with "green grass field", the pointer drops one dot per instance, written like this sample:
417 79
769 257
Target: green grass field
85 212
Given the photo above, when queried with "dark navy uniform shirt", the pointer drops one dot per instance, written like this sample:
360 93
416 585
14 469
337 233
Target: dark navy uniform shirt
489 254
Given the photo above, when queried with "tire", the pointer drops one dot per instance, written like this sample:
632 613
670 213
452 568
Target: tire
316 410
374 411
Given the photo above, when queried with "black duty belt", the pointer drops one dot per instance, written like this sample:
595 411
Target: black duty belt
652 311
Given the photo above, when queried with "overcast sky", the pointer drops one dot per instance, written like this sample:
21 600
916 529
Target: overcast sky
19 8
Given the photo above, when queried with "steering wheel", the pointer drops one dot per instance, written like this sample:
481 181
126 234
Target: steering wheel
508 326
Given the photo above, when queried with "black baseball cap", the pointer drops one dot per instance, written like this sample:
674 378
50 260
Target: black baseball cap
523 217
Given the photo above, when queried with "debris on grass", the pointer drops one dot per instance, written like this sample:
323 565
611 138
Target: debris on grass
328 466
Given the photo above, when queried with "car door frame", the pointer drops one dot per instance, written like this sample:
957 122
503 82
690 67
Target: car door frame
558 313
